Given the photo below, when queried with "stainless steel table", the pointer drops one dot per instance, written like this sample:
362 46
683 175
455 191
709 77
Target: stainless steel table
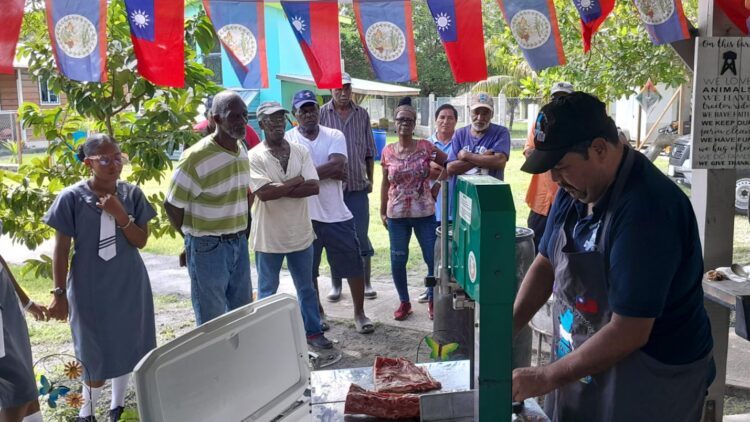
329 388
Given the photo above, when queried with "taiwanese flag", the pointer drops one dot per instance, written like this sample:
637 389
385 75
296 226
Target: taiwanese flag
665 21
388 37
737 12
459 24
317 30
534 25
78 31
240 27
157 29
9 31
593 13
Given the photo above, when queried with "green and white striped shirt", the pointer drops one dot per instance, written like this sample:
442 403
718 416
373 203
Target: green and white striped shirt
211 183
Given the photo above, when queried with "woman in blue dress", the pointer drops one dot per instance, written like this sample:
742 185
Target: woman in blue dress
105 291
18 390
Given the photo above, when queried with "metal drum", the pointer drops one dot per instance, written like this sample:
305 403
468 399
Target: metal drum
457 326
450 325
525 255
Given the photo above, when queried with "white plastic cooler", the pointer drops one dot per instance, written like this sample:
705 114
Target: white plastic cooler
248 365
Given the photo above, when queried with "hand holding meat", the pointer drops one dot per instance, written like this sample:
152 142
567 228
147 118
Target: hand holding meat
530 382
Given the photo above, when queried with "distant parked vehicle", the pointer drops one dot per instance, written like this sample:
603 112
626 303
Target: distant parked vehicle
681 169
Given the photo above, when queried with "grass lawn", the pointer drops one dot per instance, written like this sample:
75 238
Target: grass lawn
26 157
379 236
518 181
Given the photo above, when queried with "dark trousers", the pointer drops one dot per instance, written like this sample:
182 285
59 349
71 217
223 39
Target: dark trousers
537 222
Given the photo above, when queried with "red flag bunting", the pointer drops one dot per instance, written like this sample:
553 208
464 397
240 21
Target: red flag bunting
9 31
459 24
317 31
593 13
737 12
157 29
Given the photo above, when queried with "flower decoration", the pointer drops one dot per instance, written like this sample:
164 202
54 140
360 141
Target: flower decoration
60 378
73 370
74 400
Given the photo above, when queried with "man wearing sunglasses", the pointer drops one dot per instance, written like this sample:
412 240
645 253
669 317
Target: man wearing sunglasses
208 203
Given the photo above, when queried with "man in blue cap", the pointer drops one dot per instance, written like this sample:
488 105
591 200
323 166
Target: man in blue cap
332 221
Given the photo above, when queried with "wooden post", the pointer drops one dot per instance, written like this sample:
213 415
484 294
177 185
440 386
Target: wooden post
638 129
714 209
680 125
661 116
21 134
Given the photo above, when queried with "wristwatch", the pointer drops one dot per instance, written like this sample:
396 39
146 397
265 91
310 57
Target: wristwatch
58 291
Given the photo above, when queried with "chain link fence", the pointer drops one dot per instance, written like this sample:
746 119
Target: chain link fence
8 130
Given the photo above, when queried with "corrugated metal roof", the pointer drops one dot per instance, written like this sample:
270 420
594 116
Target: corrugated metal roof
359 86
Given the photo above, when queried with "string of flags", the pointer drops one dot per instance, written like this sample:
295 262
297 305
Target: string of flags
77 30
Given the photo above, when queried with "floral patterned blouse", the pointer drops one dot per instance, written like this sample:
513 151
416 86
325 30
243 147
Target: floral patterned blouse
409 193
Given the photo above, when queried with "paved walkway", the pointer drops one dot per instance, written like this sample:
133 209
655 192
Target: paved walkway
168 278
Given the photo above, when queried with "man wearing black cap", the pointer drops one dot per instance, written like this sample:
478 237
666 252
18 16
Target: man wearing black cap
631 338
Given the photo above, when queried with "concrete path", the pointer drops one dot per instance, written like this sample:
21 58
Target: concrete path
168 278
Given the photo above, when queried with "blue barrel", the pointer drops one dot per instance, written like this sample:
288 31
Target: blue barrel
379 135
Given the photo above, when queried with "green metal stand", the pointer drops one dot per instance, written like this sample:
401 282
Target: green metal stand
484 266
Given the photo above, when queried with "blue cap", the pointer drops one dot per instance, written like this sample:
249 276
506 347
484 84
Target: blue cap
304 97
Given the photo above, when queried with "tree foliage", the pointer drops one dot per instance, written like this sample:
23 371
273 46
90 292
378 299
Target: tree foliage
621 60
147 121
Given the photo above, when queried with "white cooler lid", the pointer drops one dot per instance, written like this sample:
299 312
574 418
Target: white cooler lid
249 364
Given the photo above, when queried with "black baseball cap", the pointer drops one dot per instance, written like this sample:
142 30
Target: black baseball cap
564 123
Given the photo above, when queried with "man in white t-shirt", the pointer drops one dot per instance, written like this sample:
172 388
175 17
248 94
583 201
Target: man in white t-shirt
332 221
282 176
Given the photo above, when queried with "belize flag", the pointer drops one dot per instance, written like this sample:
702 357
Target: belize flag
592 13
388 37
240 27
664 20
317 31
459 24
157 29
78 31
737 12
534 25
9 32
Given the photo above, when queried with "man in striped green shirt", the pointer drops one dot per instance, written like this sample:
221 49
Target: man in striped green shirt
207 202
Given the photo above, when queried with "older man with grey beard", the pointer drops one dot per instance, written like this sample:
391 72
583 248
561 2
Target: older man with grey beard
480 148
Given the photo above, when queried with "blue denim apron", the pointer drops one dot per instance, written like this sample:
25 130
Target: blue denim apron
639 387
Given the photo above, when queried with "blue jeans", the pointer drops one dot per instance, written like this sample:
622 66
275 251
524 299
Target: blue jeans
219 275
399 232
300 265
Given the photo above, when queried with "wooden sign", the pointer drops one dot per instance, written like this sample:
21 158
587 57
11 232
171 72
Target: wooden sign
721 103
